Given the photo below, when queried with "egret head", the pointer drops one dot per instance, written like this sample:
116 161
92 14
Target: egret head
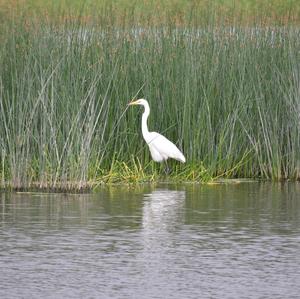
142 102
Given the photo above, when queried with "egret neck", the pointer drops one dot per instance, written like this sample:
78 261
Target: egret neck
146 113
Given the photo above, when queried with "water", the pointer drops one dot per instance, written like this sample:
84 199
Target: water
219 241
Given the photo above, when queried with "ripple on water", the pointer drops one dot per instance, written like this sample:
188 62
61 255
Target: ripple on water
170 242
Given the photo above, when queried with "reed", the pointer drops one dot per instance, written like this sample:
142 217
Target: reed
227 95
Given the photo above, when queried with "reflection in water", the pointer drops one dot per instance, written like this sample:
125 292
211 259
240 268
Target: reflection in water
162 215
162 210
226 241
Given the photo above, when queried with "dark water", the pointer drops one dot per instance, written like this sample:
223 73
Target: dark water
221 241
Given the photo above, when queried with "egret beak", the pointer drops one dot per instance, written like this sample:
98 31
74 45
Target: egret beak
132 103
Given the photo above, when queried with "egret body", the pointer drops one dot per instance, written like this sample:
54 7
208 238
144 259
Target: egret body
160 147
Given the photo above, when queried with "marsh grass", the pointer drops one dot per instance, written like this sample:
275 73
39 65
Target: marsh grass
227 96
156 12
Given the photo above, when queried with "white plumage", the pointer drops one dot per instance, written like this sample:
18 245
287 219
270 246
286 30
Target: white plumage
160 147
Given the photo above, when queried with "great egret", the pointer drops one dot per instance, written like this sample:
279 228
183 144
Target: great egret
160 147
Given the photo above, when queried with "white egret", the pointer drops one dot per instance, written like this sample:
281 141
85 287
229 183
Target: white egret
160 147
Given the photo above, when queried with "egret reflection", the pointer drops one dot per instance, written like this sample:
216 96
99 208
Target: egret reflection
162 210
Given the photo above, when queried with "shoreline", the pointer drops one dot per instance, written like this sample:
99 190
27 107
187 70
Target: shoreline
92 187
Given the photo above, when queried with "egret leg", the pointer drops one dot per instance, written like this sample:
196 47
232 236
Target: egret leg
167 168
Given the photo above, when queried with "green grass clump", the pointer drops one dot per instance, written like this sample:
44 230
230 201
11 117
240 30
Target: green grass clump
227 95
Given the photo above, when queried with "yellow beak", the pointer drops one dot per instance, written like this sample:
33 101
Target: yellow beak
132 103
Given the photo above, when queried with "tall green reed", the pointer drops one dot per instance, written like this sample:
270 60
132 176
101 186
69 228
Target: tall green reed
227 96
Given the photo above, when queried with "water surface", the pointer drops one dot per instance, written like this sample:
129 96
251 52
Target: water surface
220 241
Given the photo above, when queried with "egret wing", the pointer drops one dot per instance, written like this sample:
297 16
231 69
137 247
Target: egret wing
165 147
156 156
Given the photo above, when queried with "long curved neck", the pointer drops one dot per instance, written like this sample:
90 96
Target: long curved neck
146 113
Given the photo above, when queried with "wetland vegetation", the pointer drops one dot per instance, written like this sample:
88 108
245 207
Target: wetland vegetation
222 82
